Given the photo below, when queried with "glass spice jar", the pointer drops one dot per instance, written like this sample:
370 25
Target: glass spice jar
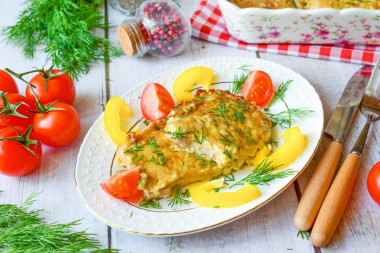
159 28
127 7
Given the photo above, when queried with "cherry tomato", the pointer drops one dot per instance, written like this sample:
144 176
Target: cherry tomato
57 128
156 102
23 109
123 185
60 88
258 87
15 159
7 83
373 182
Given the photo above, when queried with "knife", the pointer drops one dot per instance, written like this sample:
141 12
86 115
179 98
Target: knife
337 128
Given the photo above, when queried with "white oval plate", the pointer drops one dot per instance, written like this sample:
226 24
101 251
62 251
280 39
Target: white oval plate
96 156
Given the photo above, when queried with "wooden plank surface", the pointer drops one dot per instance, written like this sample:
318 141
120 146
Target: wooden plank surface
268 229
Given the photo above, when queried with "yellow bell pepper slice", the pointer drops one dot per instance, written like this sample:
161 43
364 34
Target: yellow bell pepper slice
116 121
188 79
202 193
287 153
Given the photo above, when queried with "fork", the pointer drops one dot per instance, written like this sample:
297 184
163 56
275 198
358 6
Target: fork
337 197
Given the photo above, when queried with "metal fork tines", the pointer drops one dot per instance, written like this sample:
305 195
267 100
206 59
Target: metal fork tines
370 107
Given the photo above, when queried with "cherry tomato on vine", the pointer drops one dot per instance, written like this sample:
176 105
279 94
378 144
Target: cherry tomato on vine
18 110
258 87
7 83
15 158
123 185
373 182
57 128
60 88
156 102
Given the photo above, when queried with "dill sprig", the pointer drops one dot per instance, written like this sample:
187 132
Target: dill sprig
141 183
200 158
179 198
280 94
285 119
263 174
201 139
136 148
238 115
226 140
248 138
229 178
161 159
222 111
178 134
304 234
239 79
22 230
63 29
228 153
150 203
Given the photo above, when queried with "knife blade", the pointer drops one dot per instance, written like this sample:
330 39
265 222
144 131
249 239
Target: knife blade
348 104
337 128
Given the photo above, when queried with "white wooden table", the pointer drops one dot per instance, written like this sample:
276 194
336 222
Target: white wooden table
269 229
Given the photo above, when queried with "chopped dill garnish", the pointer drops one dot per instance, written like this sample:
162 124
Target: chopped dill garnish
238 115
146 122
216 189
242 103
237 84
264 173
222 111
285 119
178 134
216 206
304 234
226 141
155 126
200 98
271 141
118 171
131 214
228 153
153 144
179 198
229 178
200 158
201 139
280 94
238 131
136 148
141 183
134 160
161 159
248 138
150 203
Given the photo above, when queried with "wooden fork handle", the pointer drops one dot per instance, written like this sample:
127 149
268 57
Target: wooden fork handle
317 187
335 202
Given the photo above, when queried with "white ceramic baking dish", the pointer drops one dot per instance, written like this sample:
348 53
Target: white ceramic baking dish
316 26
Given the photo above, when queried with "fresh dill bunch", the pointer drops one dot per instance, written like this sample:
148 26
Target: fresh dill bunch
264 173
22 230
304 234
285 119
280 94
178 134
63 29
239 79
179 198
229 178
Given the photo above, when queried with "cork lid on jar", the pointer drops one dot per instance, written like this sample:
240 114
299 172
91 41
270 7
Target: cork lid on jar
131 39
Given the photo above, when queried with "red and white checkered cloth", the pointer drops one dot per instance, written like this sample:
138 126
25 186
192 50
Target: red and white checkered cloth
208 24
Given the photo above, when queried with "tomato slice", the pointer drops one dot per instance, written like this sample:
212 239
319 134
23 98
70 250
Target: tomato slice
258 87
123 185
156 102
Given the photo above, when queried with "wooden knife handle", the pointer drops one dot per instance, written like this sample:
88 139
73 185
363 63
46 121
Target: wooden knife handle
317 187
335 202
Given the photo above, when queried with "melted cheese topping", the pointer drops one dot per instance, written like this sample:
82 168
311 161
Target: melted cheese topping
212 135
